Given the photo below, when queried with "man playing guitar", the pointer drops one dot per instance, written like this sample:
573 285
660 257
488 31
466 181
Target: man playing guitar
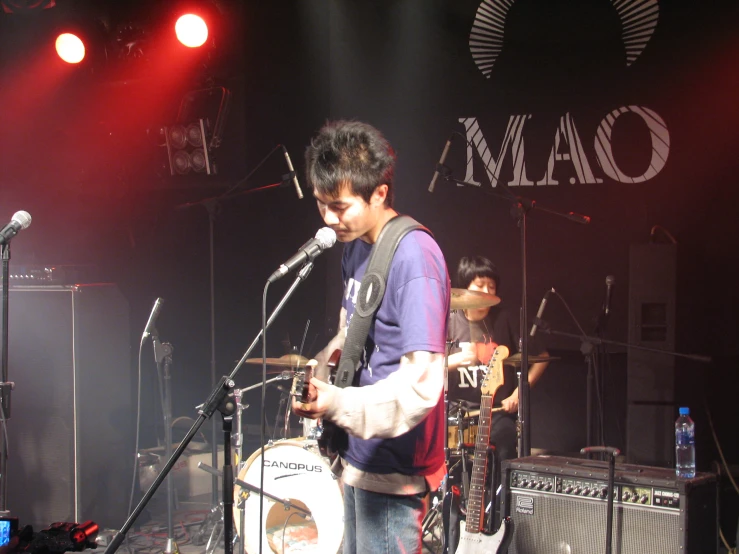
394 415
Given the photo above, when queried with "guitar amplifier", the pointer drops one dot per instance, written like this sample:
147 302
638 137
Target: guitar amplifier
558 505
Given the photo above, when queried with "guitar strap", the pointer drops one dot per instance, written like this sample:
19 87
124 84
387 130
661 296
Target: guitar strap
371 292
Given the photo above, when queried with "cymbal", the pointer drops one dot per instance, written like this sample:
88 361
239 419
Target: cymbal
515 359
463 299
288 360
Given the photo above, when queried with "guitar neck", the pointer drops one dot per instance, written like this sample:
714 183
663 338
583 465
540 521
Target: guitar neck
475 511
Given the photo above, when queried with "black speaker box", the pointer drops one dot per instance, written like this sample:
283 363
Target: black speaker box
71 427
559 505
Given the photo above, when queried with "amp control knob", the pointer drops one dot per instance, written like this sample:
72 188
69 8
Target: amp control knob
568 490
585 491
626 496
594 493
548 487
577 490
643 499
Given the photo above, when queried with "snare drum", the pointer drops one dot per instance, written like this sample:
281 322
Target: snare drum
293 470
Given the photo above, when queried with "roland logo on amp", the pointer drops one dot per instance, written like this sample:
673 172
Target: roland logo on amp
293 466
525 505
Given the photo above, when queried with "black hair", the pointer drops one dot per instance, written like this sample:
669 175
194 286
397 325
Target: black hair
476 266
350 152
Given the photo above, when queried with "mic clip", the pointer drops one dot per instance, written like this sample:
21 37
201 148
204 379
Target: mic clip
542 325
287 178
444 171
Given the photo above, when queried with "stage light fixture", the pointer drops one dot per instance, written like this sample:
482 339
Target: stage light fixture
191 30
25 6
187 148
70 48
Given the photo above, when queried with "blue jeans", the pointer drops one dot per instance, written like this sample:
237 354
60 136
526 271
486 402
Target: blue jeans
376 523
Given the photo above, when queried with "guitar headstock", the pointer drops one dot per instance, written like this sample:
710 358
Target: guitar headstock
303 375
494 376
301 379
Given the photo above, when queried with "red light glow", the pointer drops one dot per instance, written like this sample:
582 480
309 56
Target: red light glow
191 30
70 48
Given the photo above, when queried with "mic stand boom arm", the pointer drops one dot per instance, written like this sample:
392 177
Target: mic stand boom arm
520 208
217 400
544 327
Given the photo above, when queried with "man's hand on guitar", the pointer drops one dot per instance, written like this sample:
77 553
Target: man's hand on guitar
319 398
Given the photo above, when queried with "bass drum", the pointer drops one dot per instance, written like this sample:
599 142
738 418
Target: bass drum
294 471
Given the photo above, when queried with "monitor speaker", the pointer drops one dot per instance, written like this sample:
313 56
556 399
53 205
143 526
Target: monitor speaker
71 447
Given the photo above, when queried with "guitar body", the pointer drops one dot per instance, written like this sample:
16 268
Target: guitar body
479 543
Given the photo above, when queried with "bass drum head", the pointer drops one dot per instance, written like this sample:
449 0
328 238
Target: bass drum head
294 471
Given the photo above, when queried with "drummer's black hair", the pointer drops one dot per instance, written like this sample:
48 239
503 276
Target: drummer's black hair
476 266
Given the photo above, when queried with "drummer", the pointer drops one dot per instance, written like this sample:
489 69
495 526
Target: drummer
479 331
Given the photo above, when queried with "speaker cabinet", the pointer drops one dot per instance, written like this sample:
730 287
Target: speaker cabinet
559 505
71 447
650 389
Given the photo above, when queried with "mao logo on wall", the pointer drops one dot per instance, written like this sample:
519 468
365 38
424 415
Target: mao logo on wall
575 157
638 21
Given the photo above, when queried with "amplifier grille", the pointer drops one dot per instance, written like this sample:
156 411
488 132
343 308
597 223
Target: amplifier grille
561 525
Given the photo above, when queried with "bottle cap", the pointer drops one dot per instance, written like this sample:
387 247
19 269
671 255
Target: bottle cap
684 411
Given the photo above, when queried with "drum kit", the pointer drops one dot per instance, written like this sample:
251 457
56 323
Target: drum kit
303 505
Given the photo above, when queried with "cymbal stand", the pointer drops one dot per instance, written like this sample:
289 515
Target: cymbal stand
449 504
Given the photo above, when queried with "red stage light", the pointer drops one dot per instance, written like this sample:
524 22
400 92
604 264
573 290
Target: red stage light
70 48
191 30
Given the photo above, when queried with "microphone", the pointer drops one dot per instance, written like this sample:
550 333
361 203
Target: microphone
441 162
150 329
20 220
578 218
294 175
543 305
610 281
325 238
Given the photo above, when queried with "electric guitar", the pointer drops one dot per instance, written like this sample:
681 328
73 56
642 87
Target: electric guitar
472 539
332 438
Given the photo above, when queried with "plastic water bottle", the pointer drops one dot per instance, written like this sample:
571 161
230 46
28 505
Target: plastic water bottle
685 445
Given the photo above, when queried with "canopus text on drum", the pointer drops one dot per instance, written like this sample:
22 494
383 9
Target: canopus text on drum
292 465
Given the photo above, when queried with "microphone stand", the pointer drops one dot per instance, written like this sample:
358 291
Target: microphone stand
5 386
594 383
519 210
221 399
163 353
587 346
545 328
212 205
612 454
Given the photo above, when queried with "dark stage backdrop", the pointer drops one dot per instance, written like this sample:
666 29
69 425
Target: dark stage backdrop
623 111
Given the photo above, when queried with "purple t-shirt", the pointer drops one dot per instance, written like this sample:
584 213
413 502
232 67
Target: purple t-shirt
412 317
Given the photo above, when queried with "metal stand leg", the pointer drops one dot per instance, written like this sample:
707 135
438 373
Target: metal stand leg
612 454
